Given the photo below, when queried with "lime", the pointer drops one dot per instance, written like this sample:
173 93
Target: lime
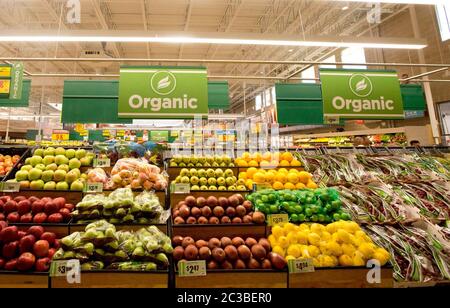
273 209
321 217
314 218
272 198
298 209
314 209
294 217
265 199
328 219
301 217
345 216
336 217
328 208
308 212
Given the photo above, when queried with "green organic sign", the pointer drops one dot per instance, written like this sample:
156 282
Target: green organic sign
16 81
162 92
360 94
159 136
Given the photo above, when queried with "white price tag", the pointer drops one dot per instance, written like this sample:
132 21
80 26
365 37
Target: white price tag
102 163
192 268
93 187
275 219
10 187
63 268
181 188
299 266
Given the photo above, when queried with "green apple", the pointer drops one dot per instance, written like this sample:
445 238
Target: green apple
48 160
209 159
74 163
228 173
241 187
193 172
173 164
60 151
21 175
214 164
218 173
212 187
212 181
49 151
210 173
207 165
203 181
194 159
195 187
222 164
26 167
218 159
50 185
71 177
80 153
52 167
230 181
240 182
24 184
62 186
63 167
184 172
222 188
231 165
186 159
70 153
181 164
198 165
194 180
201 173
77 185
185 180
76 171
202 160
39 152
190 165
60 175
40 167
47 175
178 179
61 160
35 160
203 187
178 159
37 185
226 159
34 174
232 187
234 178
221 181
85 161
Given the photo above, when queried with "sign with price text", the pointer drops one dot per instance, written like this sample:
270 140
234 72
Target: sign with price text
61 268
275 219
192 268
299 266
102 162
93 188
10 187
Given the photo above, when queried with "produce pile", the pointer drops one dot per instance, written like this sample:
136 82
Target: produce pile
212 210
34 210
227 253
278 179
30 250
267 160
51 169
210 179
341 243
101 246
318 205
7 162
120 206
223 161
136 174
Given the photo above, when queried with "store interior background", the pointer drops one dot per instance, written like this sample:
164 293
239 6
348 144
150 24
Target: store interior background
284 17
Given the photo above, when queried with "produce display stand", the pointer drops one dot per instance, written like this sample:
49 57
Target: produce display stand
229 230
235 279
71 196
175 198
23 280
115 279
343 277
173 172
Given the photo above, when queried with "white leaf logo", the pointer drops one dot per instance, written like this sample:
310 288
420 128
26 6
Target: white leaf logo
164 83
361 86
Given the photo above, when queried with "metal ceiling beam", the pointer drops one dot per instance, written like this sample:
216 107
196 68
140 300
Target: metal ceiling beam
186 25
145 21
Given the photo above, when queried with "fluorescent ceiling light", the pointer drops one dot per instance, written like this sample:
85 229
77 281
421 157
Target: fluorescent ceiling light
215 38
428 2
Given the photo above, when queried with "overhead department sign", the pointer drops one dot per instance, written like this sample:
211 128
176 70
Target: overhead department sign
360 94
162 92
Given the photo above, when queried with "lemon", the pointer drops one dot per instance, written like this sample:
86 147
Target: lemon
313 239
269 176
277 231
292 178
348 249
334 248
295 163
283 241
304 177
259 177
256 157
381 255
367 250
304 227
331 228
281 177
345 260
329 261
317 262
287 156
325 236
253 163
358 259
317 228
277 249
292 238
264 164
305 252
294 251
284 163
293 171
267 156
283 170
242 175
289 227
302 237
249 183
278 185
272 240
343 236
246 156
352 227
300 186
312 185
289 186
241 163
313 251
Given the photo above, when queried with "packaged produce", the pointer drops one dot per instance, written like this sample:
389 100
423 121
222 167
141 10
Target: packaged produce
201 161
210 179
136 174
213 210
97 175
267 160
341 243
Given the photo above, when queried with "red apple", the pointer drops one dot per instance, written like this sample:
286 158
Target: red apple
5 198
2 204
2 217
13 217
42 265
19 198
27 218
55 218
26 243
51 252
10 206
11 265
2 263
46 199
65 213
3 225
23 207
10 250
26 261
60 202
69 206
21 234
37 231
56 244
50 237
51 207
32 199
9 234
40 248
37 206
40 218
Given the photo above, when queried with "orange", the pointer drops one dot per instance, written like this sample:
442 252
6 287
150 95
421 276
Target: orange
259 177
300 185
292 178
304 177
289 186
283 170
312 185
287 156
251 172
295 163
269 177
241 163
253 163
284 163
243 175
249 183
278 185
281 177
246 156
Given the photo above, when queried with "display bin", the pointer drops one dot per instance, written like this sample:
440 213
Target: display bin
173 172
71 196
75 227
220 230
235 279
23 280
343 277
115 279
22 151
61 229
175 198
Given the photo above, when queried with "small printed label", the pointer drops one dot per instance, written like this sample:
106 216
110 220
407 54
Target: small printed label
102 163
181 188
275 219
93 187
192 268
10 187
259 187
63 267
299 266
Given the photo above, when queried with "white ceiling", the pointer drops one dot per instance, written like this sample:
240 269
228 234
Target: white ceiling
294 17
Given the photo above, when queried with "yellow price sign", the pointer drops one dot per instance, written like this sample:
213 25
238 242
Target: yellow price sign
5 86
5 71
60 137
